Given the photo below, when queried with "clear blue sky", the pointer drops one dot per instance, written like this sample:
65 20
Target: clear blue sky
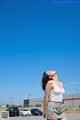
35 36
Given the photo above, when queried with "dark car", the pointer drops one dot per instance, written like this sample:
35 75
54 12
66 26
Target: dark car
13 111
36 112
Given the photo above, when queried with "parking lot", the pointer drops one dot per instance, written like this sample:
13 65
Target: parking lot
70 116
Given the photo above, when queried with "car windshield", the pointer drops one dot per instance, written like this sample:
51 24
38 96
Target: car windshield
12 108
37 110
25 110
15 108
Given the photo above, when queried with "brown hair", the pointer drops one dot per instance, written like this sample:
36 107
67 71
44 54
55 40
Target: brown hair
45 79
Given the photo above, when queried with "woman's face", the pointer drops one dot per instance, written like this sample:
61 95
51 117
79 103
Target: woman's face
51 73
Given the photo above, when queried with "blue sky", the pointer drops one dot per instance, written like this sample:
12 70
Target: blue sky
35 36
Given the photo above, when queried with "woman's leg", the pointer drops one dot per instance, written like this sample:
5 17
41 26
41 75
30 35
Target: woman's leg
50 119
50 115
62 119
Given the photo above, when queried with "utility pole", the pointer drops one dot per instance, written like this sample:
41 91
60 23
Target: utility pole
12 100
29 96
77 96
77 91
72 101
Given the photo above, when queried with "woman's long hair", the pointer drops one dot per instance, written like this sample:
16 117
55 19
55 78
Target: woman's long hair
45 79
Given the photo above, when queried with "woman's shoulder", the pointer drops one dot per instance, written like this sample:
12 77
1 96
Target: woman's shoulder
50 82
61 83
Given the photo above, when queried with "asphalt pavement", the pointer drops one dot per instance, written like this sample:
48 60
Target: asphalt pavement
69 116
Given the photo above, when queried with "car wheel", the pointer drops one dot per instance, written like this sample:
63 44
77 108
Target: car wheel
33 114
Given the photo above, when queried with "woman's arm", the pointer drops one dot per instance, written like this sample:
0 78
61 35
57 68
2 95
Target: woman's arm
46 95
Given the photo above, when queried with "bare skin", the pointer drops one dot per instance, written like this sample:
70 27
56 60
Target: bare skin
62 119
48 88
58 119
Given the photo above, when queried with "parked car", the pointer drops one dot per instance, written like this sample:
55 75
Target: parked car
13 111
25 112
35 111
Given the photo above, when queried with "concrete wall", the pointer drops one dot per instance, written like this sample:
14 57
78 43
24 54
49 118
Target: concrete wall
36 102
70 101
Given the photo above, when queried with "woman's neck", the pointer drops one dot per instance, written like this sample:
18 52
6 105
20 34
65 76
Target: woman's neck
55 80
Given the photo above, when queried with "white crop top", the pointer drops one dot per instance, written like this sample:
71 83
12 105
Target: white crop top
56 94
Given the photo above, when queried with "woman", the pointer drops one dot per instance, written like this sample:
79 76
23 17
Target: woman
53 108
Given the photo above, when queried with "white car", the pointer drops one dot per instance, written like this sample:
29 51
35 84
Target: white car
25 112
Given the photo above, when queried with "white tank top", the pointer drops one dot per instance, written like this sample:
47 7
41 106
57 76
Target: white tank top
56 94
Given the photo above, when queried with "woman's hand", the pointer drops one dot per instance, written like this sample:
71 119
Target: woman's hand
44 114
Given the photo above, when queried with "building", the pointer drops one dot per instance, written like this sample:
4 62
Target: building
33 102
70 101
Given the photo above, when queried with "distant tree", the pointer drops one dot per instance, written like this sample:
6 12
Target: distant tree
12 105
7 105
